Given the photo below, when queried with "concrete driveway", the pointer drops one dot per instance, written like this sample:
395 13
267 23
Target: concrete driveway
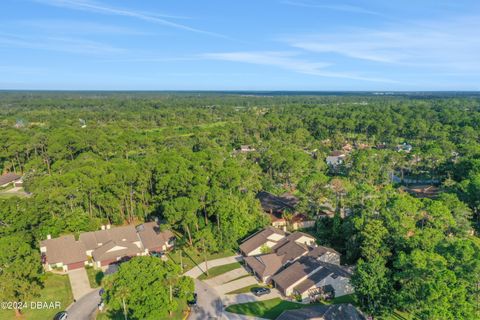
86 307
226 277
236 284
230 299
79 283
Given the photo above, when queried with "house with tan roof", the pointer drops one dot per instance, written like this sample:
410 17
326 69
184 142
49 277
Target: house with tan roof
104 247
10 178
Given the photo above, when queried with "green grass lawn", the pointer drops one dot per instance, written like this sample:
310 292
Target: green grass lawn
216 271
94 277
191 257
268 309
56 288
247 289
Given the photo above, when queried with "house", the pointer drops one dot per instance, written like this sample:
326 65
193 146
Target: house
344 311
276 206
422 191
153 239
404 147
285 251
63 252
104 247
10 179
262 240
309 277
246 149
335 158
110 245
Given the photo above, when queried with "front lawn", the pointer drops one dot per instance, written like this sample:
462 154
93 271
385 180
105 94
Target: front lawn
216 271
191 257
94 277
56 288
268 309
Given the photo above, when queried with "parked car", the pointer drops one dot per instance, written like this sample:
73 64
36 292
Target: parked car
193 302
260 291
157 254
61 316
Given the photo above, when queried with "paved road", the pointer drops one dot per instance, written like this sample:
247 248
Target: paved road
84 308
209 303
196 271
79 283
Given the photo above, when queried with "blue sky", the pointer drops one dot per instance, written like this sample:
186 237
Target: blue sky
240 45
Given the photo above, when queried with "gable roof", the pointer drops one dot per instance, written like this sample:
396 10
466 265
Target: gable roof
337 153
265 265
151 236
320 251
95 239
115 249
299 269
273 203
64 250
260 238
342 311
8 177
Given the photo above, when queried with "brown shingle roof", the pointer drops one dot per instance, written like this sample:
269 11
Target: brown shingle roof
258 239
333 312
295 272
64 250
114 250
265 265
94 239
8 178
273 203
151 235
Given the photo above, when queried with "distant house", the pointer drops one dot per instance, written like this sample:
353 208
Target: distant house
310 277
10 179
246 148
285 251
335 158
404 147
104 247
344 311
422 191
276 206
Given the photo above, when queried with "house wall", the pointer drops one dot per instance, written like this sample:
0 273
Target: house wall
303 224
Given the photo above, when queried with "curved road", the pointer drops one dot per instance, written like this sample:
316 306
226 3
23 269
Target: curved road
85 307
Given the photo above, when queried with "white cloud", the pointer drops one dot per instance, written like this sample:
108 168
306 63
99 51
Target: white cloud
449 45
288 61
89 6
334 7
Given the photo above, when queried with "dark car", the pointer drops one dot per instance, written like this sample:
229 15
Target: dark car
157 254
260 291
61 316
193 302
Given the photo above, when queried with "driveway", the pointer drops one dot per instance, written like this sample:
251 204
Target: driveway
230 299
79 283
226 277
199 269
84 308
209 303
236 284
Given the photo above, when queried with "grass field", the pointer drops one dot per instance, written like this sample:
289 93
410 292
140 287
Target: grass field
94 277
190 257
216 271
56 288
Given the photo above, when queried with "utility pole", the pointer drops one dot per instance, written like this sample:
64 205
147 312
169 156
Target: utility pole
181 260
205 256
124 309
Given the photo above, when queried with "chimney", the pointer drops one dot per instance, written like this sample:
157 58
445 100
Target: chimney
108 226
49 236
103 227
